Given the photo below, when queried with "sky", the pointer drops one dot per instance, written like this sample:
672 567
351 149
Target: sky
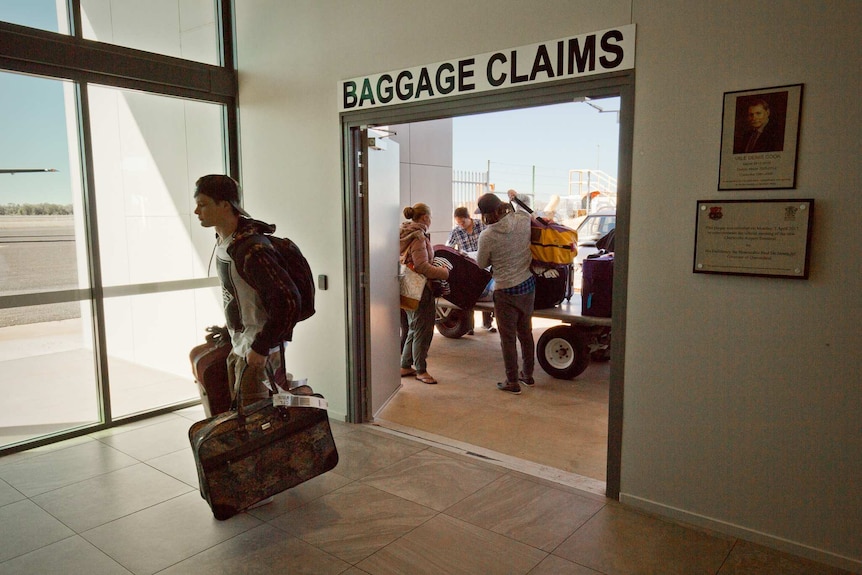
554 139
33 121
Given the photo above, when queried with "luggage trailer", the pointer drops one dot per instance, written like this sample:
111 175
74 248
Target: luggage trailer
563 351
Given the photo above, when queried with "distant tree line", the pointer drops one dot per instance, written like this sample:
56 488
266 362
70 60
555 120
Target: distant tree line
35 210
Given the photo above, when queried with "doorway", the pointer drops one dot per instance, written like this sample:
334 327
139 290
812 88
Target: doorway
360 341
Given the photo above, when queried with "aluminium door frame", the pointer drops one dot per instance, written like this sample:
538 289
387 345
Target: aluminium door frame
621 84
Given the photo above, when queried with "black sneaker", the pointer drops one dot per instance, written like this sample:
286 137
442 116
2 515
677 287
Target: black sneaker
512 388
528 381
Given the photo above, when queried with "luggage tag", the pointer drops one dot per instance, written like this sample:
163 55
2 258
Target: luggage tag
302 397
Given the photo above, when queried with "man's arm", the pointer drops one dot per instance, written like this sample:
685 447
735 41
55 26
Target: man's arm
483 256
263 271
453 238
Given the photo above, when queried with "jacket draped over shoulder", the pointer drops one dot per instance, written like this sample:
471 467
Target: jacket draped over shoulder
415 246
260 265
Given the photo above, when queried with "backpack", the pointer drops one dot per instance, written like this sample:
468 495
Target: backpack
300 272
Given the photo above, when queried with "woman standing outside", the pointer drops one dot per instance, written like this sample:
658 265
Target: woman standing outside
417 252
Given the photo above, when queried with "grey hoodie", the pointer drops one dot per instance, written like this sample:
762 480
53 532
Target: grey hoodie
505 246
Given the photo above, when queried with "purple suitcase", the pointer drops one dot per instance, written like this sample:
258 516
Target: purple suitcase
598 284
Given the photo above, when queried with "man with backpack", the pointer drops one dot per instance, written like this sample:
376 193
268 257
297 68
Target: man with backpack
262 288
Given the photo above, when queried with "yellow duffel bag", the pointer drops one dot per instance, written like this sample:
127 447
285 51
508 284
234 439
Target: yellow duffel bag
552 243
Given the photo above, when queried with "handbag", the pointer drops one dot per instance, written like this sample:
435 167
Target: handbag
412 285
255 451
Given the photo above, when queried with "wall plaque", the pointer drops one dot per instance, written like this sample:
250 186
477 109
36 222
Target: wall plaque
753 237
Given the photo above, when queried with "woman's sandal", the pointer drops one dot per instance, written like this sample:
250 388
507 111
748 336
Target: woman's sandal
408 372
426 378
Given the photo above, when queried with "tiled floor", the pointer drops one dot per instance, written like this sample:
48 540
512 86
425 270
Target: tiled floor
126 501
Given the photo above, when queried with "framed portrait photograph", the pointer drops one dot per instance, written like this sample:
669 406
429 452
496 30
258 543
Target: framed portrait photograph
759 138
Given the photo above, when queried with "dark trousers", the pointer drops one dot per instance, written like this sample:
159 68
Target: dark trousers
420 333
514 315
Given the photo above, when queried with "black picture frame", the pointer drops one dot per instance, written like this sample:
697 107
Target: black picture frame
758 154
766 238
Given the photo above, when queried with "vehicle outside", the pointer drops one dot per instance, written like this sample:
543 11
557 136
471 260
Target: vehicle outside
591 228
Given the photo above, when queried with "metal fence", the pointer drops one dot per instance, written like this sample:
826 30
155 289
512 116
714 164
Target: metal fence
581 187
467 186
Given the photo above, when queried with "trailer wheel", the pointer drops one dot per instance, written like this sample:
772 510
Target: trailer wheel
563 352
452 322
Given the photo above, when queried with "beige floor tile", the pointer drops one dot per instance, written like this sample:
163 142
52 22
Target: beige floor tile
9 494
263 550
618 540
101 499
300 495
749 558
553 565
432 479
71 556
152 441
26 527
179 465
354 521
55 469
362 453
528 512
447 545
159 536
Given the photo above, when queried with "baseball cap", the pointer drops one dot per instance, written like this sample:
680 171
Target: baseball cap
488 204
220 188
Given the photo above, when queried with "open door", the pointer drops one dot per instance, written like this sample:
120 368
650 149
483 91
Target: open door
383 196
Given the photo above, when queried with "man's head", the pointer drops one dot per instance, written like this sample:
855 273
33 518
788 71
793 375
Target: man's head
220 188
462 217
492 208
217 200
758 114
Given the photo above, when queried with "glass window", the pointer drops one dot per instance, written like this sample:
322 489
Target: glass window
148 151
149 339
43 256
180 28
47 371
50 15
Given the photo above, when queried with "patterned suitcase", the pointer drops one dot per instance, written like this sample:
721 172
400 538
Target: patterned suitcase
467 280
209 367
598 284
247 455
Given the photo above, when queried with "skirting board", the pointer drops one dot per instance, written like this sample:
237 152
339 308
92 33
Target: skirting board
764 539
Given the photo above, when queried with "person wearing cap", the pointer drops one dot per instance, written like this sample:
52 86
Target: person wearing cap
465 237
505 246
260 299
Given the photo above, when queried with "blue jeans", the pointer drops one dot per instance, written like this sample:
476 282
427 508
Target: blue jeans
420 331
514 315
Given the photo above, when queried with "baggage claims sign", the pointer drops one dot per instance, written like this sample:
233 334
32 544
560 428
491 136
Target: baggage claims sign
610 50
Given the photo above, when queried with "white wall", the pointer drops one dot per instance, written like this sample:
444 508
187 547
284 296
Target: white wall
742 398
426 171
